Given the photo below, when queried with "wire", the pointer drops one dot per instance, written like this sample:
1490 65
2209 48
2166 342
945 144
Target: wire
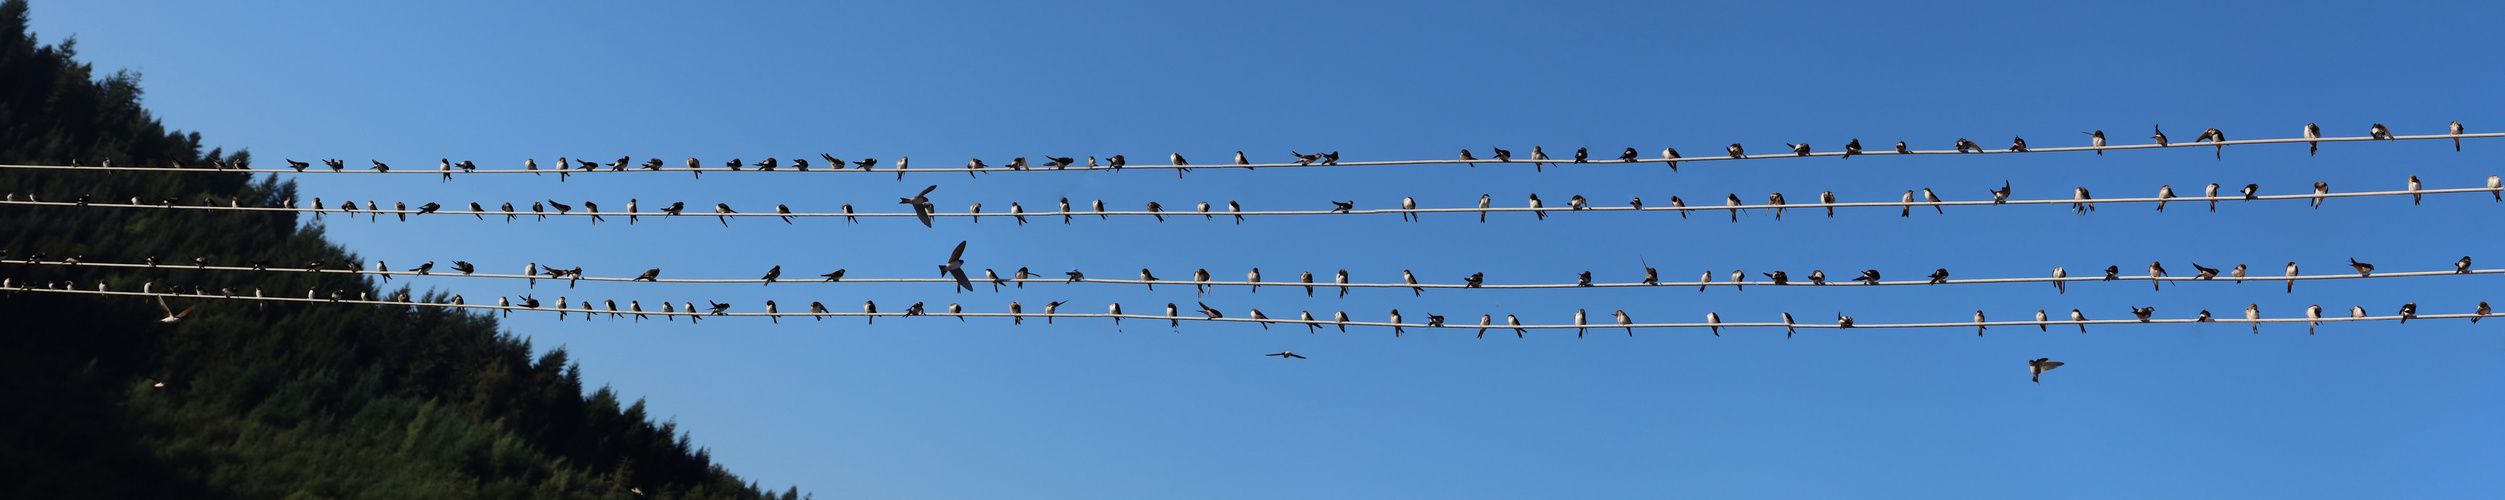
586 309
1706 158
1213 214
1799 282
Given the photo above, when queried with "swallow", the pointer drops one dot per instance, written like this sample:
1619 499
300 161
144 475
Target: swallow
915 310
1779 278
1413 282
1900 148
1852 148
1934 199
2212 193
380 167
1254 277
2165 192
1285 355
2081 319
1308 159
2379 132
922 206
1868 277
1065 210
1578 323
674 209
1629 155
1578 203
1671 156
971 165
2314 313
1736 151
170 315
2291 277
1702 280
1776 200
2214 135
2205 273
2143 313
2408 311
1307 278
1733 200
2320 188
2356 311
1343 206
1075 276
2313 131
1238 210
1582 154
1406 205
2482 312
1676 203
2156 271
722 211
1842 321
1204 212
866 163
1465 158
2462 266
2413 190
955 267
1536 205
2018 145
1817 277
2456 129
1585 280
785 211
1538 157
1939 276
2038 366
2160 136
1056 162
1484 321
2000 196
1145 276
693 167
1483 203
1239 160
902 161
2097 140
1396 329
2238 273
1516 323
1978 323
2363 269
2081 203
2252 315
2041 320
1801 149
1200 282
1157 210
1966 146
1908 209
1115 310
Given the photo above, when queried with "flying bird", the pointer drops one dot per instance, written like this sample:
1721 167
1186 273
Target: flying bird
1286 355
955 267
2038 366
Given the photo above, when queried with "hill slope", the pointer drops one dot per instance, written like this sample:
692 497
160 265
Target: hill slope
261 401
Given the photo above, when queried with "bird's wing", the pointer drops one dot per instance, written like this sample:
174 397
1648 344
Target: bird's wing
927 191
168 310
1294 355
961 279
2050 365
959 254
922 212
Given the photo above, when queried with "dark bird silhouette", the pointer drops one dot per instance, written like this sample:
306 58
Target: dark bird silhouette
1285 355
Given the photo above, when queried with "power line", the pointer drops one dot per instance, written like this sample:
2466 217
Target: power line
1703 158
586 309
1257 213
1792 281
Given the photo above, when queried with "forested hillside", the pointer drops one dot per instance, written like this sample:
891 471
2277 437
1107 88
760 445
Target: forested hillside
261 400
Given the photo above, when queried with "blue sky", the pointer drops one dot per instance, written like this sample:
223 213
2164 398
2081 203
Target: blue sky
935 408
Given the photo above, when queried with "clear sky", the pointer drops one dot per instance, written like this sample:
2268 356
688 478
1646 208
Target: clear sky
937 408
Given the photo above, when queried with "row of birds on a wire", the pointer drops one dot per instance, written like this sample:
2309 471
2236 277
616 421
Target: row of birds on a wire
1539 158
954 267
925 210
1174 315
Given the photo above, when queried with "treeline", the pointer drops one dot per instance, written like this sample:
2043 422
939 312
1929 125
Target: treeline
261 400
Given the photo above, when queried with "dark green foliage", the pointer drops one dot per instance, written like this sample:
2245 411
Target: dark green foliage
262 400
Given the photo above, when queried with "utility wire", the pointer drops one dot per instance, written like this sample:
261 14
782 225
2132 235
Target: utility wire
1612 160
1252 213
1840 281
586 309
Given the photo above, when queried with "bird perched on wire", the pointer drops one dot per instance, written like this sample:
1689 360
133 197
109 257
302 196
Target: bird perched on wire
1735 150
722 211
2379 132
2155 271
2081 203
2213 135
2363 269
1868 277
2018 144
1966 146
1343 206
2160 135
1939 276
2097 140
2313 131
2456 130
